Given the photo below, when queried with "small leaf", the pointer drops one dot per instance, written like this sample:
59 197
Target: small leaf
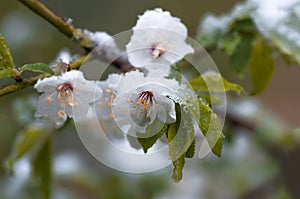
7 73
178 163
230 42
6 60
191 150
261 65
37 67
175 71
211 128
244 25
214 82
41 164
30 140
171 135
212 39
184 133
180 140
151 135
240 58
178 168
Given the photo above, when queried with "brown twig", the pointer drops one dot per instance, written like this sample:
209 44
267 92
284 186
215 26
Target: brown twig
67 29
71 32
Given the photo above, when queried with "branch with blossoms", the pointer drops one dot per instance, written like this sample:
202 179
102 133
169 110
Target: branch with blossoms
147 105
82 37
153 104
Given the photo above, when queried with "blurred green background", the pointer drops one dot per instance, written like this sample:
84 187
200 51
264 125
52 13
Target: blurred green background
248 168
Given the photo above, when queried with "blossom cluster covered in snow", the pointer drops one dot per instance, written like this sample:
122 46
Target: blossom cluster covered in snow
131 101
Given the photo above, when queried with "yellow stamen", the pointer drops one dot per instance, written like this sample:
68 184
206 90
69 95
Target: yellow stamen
59 87
62 112
100 104
107 90
48 100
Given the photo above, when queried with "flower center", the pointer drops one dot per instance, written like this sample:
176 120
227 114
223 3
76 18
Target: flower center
157 51
65 93
141 107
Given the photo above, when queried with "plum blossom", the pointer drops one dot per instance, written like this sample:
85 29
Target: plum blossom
103 106
140 100
105 45
67 95
157 38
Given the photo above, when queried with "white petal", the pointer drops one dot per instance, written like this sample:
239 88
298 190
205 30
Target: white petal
47 84
48 105
157 28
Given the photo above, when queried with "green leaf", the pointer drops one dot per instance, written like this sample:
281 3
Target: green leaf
178 168
261 65
41 164
151 135
214 82
240 58
244 25
37 67
181 139
184 132
6 61
175 71
210 126
29 141
191 150
230 42
178 163
7 73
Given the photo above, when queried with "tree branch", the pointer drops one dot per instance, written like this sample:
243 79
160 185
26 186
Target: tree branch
67 29
75 64
71 32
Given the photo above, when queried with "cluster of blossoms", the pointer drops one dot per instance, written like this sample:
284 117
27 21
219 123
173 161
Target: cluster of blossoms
128 102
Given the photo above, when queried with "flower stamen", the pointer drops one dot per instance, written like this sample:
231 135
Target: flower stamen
141 107
157 51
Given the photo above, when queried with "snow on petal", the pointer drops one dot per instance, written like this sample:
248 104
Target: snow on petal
139 100
66 95
157 38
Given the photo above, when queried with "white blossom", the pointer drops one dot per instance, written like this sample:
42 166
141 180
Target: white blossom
140 100
103 106
105 45
67 95
157 38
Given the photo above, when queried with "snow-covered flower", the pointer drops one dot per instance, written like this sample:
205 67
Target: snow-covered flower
105 101
140 100
103 106
105 46
157 38
67 95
